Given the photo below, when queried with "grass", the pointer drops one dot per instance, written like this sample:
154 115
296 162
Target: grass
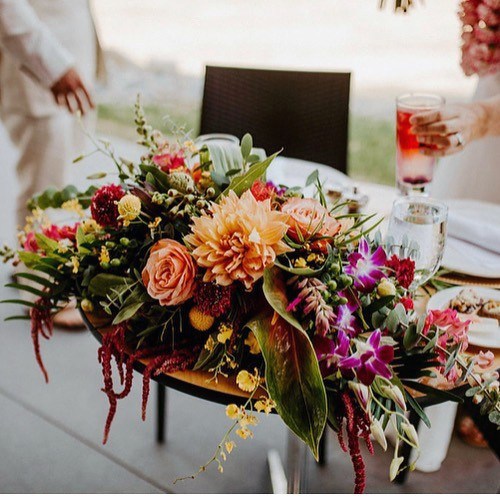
371 140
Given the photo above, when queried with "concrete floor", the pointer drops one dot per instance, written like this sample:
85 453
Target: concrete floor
50 434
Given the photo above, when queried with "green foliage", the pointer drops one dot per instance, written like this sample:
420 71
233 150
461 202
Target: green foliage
53 198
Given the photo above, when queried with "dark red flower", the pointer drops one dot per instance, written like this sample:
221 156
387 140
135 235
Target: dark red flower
103 207
404 269
213 299
407 303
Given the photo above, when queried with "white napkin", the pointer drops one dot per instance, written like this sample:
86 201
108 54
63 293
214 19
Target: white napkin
469 227
473 242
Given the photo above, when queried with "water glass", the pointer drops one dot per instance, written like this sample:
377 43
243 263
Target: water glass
417 229
414 171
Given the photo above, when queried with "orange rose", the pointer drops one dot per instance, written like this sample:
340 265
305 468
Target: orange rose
310 220
169 273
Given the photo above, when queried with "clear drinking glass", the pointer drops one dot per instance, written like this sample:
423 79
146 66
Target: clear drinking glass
417 228
216 138
414 170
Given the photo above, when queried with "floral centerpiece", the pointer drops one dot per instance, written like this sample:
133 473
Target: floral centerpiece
196 262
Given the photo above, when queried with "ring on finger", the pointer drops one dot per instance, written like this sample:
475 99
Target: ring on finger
460 139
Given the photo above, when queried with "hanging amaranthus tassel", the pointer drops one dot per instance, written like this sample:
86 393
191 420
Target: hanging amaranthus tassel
355 426
41 324
177 360
161 360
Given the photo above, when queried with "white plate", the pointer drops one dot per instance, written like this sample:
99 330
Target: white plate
441 300
465 257
292 172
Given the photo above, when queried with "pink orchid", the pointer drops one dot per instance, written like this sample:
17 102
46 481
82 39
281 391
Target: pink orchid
484 360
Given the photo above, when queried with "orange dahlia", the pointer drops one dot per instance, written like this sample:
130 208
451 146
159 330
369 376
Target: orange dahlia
238 240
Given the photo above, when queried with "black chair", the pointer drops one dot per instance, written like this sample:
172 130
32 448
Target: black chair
306 113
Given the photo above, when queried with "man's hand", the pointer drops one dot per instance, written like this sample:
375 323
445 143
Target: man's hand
70 91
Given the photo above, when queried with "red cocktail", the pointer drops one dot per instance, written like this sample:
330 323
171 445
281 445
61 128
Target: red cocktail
413 169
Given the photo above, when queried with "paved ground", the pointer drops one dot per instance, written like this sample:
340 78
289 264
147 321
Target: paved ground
50 434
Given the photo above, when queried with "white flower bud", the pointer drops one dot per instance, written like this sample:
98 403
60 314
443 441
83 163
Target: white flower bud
477 398
361 392
411 434
394 468
378 433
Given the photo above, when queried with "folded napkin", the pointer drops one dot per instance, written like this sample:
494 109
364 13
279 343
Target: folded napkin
470 226
473 242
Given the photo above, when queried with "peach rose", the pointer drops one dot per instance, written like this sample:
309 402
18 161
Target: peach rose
309 219
169 273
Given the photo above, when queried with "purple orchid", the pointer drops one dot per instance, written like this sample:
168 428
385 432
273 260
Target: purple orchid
370 359
346 321
364 266
331 353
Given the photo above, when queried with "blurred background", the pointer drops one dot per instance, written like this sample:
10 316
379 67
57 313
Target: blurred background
159 48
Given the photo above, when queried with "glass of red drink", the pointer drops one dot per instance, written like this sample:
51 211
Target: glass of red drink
414 170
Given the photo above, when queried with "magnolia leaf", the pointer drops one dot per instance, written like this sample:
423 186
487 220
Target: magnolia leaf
241 183
293 378
274 289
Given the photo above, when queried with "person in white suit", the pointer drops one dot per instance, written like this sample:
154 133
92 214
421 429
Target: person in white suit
48 66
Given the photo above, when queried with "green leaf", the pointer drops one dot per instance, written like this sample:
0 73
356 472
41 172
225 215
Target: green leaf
127 312
155 176
437 393
48 245
225 157
241 183
36 278
494 417
102 284
82 239
274 289
418 409
27 288
411 337
29 259
312 178
15 318
246 146
293 377
97 175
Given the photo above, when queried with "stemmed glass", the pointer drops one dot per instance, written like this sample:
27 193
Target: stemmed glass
417 229
414 171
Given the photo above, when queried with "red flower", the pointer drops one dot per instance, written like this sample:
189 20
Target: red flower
168 162
53 232
404 270
407 303
213 299
103 207
262 190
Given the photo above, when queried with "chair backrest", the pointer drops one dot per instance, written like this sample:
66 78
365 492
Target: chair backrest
305 113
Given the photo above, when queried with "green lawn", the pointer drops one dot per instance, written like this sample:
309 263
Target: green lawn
371 141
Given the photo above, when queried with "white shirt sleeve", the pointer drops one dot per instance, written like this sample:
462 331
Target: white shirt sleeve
27 39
